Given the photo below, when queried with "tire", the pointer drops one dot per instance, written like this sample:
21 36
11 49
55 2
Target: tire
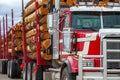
29 71
4 67
66 75
38 75
55 64
12 69
8 69
25 72
18 70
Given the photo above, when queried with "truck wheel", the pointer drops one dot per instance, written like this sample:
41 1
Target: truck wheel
8 69
12 69
29 71
67 76
25 72
38 75
18 70
3 66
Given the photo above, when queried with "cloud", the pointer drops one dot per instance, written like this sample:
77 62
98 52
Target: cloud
7 5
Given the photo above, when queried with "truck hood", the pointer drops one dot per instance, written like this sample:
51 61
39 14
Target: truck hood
88 42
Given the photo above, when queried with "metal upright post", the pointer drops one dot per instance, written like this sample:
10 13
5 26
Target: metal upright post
40 61
4 54
12 14
26 58
6 35
0 41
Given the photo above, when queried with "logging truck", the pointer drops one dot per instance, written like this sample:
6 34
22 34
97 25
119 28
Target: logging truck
70 40
83 41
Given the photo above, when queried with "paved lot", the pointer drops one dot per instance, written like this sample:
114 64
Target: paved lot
4 77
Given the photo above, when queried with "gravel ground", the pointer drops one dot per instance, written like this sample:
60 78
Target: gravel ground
4 77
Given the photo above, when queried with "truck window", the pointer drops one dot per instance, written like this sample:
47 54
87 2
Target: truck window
86 20
111 19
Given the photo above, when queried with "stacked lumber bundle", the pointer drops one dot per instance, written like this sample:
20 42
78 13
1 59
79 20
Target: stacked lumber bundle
30 16
2 46
30 7
18 38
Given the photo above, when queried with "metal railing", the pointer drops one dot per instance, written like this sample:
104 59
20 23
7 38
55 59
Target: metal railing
104 60
81 76
113 60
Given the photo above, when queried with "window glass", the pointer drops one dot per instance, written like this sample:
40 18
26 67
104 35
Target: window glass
111 20
86 20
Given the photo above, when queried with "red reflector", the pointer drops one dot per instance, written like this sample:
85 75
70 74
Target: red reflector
35 69
22 66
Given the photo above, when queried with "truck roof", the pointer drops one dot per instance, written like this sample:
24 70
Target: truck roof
95 9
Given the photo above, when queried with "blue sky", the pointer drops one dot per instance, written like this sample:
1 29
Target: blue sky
7 5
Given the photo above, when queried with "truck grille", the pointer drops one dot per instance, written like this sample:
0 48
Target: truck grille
113 53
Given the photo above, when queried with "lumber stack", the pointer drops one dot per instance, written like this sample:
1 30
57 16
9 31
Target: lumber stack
2 47
17 44
30 7
30 17
18 39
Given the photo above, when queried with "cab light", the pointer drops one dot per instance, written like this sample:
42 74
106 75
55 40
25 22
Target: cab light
76 5
100 4
95 5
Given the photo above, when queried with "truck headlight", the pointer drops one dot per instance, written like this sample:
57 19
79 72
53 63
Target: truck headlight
88 63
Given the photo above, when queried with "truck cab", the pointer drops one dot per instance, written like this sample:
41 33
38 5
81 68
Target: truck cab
89 42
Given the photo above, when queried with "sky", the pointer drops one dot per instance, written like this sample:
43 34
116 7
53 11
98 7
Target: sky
7 5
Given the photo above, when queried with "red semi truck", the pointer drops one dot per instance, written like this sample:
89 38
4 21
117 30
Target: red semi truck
84 43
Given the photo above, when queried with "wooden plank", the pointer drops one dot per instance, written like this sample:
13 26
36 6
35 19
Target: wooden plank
44 28
45 35
31 48
31 33
42 11
43 20
31 8
30 18
18 42
18 34
46 55
30 26
31 40
46 44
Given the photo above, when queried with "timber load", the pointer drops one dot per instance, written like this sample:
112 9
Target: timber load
18 38
2 46
17 44
30 27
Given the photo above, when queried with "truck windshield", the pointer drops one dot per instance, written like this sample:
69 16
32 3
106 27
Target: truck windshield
86 20
111 19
